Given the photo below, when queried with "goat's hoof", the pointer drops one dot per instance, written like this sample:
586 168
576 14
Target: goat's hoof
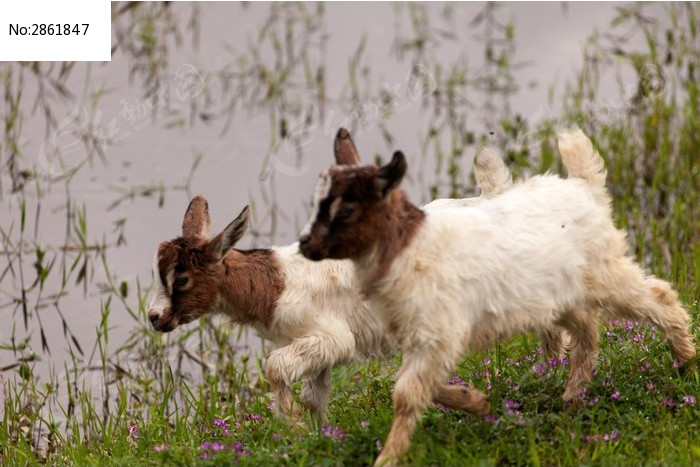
481 405
573 397
690 368
298 427
385 461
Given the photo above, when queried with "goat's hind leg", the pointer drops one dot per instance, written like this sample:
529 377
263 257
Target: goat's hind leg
459 397
632 295
582 326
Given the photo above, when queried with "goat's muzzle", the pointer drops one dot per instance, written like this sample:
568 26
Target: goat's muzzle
307 250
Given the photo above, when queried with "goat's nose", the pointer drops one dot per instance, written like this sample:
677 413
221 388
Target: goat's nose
153 317
304 240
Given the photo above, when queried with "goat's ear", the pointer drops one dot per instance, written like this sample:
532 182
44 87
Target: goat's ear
197 221
344 149
390 175
227 239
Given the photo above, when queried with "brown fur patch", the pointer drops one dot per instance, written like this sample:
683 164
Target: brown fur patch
253 283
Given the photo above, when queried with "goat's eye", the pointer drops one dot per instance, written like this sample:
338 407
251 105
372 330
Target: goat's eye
346 213
180 282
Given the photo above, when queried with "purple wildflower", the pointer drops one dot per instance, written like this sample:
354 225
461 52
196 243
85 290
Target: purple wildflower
336 434
220 423
487 361
593 401
254 416
565 361
238 447
441 407
676 364
539 369
689 400
645 366
161 447
134 434
364 424
650 386
277 436
667 401
512 407
272 405
379 445
608 382
615 396
208 448
456 380
491 419
612 436
628 326
553 362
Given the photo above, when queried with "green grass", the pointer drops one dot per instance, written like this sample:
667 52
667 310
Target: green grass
628 400
638 408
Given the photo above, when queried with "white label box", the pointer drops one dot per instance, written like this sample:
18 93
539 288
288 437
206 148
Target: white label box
58 30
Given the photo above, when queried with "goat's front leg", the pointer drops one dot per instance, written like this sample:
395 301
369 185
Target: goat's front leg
309 358
282 393
315 393
416 386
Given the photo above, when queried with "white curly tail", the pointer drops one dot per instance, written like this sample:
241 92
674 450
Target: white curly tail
583 161
491 173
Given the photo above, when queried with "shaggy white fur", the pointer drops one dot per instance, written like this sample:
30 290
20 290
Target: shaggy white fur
319 320
544 253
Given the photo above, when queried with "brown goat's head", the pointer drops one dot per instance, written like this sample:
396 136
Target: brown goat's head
186 270
350 208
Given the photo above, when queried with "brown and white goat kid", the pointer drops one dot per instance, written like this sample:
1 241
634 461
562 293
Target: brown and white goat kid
312 312
543 253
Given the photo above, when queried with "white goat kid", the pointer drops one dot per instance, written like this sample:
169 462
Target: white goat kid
312 312
543 253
